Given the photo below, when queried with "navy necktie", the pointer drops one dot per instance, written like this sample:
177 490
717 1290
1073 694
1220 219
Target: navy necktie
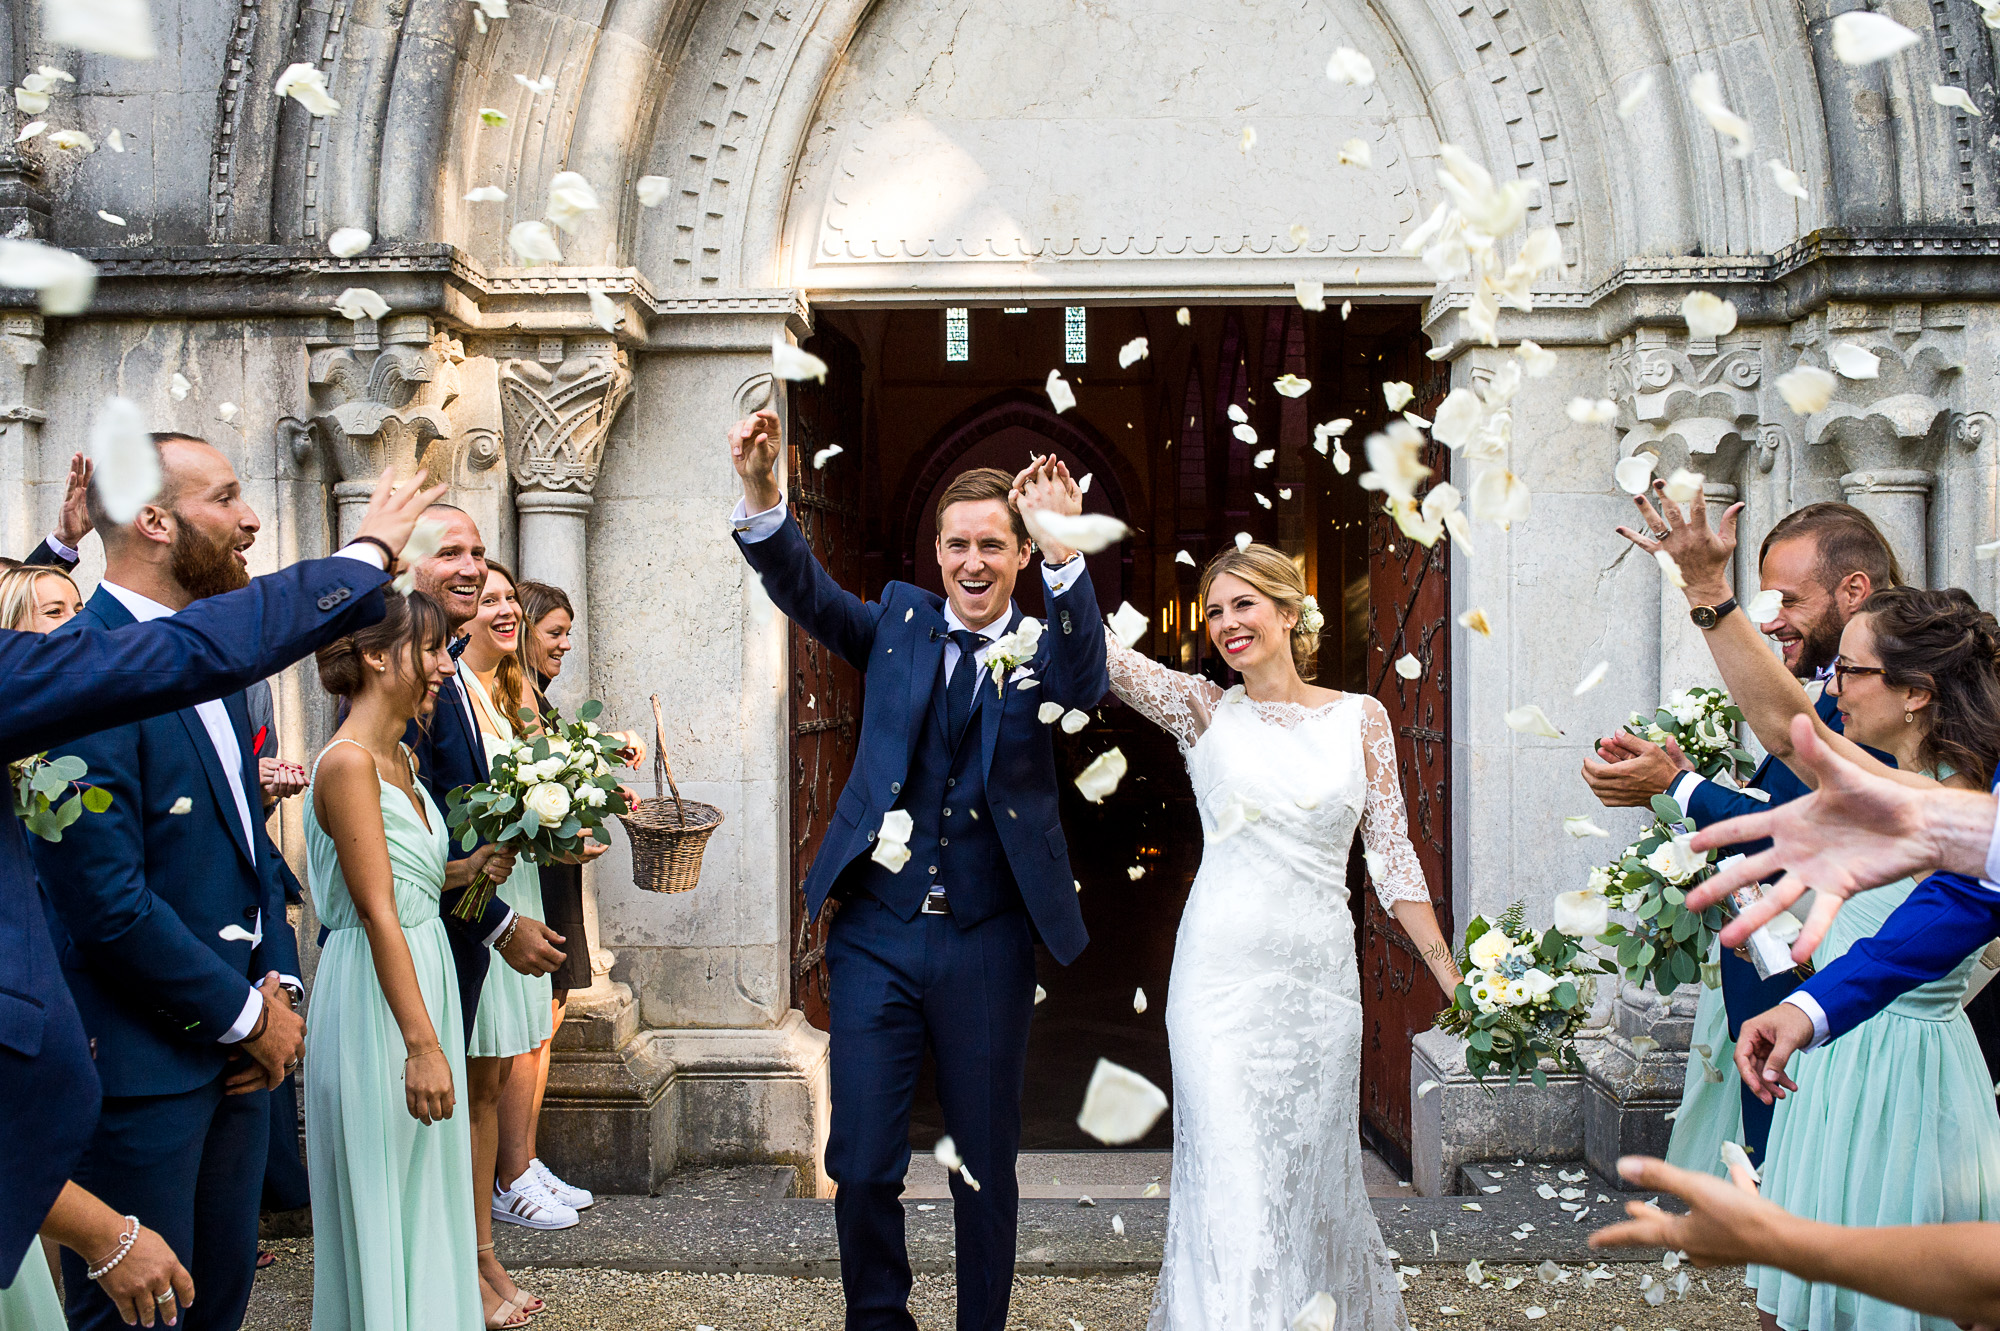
958 693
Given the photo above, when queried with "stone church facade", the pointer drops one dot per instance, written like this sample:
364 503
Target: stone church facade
837 157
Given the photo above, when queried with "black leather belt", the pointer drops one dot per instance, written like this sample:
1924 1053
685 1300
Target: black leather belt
936 903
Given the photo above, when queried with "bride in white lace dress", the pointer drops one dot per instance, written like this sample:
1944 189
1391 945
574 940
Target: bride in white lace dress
1263 1008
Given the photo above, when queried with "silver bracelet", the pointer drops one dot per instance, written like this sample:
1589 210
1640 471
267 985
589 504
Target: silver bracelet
507 934
125 1242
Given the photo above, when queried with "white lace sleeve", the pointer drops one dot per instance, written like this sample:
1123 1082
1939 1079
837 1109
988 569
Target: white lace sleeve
1385 825
1175 701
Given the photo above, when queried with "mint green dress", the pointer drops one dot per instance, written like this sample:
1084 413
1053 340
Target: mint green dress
1711 1110
1893 1124
393 1235
30 1302
514 1014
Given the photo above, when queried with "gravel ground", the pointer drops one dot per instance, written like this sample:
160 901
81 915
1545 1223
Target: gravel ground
598 1300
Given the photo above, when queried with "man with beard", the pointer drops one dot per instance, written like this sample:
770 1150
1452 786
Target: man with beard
169 918
1824 561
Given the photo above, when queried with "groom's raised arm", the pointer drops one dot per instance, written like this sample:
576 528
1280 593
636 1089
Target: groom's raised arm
1076 674
777 549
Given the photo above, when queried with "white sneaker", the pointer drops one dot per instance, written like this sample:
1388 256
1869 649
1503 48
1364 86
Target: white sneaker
577 1199
528 1204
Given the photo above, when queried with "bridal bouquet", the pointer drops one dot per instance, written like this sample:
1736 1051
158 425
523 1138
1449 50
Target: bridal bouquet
39 789
541 796
1703 722
1523 997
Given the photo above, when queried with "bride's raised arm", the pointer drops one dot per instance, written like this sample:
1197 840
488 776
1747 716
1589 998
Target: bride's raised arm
1392 860
1174 700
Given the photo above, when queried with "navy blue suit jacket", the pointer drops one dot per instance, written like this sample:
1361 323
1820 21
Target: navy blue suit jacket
139 903
66 686
898 645
450 754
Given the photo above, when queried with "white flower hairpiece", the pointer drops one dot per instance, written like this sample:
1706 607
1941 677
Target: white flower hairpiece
1310 619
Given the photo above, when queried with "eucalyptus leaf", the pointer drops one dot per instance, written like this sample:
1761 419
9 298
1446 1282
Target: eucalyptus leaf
69 767
468 840
96 799
590 711
1666 809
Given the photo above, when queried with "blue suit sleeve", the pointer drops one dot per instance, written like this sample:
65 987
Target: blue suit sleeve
810 598
1946 918
1710 803
95 879
1075 674
44 556
63 686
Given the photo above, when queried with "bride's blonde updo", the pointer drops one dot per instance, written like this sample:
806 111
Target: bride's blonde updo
1273 574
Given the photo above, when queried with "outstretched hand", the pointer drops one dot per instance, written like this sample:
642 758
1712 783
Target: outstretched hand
1727 1224
74 522
1702 553
754 442
393 512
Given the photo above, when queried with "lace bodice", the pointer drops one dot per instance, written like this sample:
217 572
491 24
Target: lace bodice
1184 705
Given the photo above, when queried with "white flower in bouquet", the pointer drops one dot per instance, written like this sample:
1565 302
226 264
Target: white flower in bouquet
1675 861
1483 995
1687 708
592 797
1599 880
1538 983
1488 950
548 801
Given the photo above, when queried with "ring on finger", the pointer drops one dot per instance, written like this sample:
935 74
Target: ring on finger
167 1297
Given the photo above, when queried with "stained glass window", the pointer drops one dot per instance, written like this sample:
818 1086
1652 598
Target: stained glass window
957 333
1074 350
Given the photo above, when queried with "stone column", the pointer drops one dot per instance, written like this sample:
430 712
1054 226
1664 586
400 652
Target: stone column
20 430
1898 498
558 408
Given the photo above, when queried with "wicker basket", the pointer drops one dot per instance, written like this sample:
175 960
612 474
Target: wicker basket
668 835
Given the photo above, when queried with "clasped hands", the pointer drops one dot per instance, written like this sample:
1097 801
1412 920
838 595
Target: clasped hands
1044 485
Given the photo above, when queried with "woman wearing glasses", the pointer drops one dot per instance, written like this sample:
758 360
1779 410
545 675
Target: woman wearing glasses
1894 1123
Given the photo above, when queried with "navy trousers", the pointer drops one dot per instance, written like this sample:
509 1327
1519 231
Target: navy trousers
1743 997
968 996
190 1166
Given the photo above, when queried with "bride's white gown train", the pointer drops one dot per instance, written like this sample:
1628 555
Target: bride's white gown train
1264 1005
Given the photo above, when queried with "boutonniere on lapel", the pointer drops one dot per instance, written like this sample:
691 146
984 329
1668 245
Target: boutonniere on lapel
40 785
1010 653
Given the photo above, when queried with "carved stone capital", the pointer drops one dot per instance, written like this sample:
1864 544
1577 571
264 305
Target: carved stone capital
559 408
1899 417
381 405
1693 402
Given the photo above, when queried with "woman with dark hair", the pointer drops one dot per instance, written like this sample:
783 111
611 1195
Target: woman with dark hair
1894 1123
391 1163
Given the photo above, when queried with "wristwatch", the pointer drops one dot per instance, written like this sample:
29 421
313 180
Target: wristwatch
1708 616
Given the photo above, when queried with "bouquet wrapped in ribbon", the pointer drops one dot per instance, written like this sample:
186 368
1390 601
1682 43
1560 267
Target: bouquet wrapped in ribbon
543 797
50 794
1523 997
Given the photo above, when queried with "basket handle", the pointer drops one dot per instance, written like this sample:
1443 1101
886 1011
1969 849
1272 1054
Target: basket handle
663 771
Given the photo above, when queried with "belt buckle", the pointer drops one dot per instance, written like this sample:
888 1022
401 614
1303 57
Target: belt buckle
936 903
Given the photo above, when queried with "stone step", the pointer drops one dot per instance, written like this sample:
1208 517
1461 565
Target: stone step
1525 1179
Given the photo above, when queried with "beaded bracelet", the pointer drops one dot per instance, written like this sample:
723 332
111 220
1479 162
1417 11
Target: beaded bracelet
125 1242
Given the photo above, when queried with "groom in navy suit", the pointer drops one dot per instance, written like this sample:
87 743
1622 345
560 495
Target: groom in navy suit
933 947
168 917
1825 560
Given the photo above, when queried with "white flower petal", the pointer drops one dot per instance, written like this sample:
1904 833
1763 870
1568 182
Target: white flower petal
178 387
73 140
652 190
1183 318
1585 411
1247 139
1320 1313
122 28
1088 532
1670 569
348 241
1945 94
1591 680
1529 719
1183 557
112 218
1634 474
1635 95
1764 606
1244 432
1101 778
1806 389
125 464
826 455
1290 385
1119 1106
306 85
1708 315
1581 914
947 1154
30 103
492 116
486 194
1733 1156
1263 457
1705 91
1499 497
1083 482
1408 666
1536 361
794 363
605 314
1350 67
1683 485
227 412
185 804
360 303
570 197
1040 994
1243 539
1458 418
1398 394
1788 179
1356 152
1131 353
29 130
1475 619
114 140
536 87
1127 624
1061 396
1862 37
892 846
533 243
1073 721
1854 362
1049 713
1138 1006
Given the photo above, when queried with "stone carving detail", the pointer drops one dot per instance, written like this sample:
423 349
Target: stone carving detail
732 114
1508 61
1900 418
384 406
1689 401
559 408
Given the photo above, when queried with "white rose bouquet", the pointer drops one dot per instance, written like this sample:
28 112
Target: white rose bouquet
1523 997
1703 722
543 797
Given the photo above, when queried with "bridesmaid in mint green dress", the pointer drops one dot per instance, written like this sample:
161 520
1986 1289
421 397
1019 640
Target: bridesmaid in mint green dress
391 1163
516 1011
1711 1110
